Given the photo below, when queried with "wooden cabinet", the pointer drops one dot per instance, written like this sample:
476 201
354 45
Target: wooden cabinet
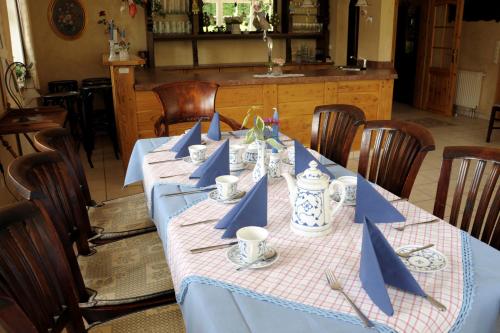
295 102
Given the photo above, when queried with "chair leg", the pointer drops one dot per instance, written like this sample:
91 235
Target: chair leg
494 110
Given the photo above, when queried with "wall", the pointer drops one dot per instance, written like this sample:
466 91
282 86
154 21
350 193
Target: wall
339 14
59 59
375 35
476 54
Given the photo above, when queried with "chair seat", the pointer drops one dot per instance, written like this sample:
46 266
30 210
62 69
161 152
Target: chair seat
128 268
166 319
122 214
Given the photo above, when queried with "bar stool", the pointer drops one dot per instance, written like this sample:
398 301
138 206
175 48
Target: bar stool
493 118
94 120
65 93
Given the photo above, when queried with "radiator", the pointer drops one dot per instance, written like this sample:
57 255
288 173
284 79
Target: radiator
468 89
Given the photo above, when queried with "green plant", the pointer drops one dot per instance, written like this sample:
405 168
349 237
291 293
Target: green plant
157 8
259 129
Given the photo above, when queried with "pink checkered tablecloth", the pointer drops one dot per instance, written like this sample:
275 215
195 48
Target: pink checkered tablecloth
298 275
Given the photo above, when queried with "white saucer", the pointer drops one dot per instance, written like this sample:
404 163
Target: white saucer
233 255
187 159
425 261
237 167
214 195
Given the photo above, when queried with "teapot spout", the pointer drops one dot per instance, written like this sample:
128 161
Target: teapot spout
292 186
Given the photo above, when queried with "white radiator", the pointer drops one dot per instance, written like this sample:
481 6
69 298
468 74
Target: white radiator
468 89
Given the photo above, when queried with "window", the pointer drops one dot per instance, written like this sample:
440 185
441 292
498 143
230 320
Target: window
15 31
218 10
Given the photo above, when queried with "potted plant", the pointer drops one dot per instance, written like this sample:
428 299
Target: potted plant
261 134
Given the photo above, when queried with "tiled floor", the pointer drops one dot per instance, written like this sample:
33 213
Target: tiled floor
106 179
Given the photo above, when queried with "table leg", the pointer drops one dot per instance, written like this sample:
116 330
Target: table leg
19 147
7 146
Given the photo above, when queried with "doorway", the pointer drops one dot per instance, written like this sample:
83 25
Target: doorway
406 50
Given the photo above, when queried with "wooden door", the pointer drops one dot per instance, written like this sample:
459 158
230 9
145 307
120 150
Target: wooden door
445 23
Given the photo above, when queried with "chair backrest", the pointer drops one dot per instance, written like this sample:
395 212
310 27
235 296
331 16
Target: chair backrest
61 140
333 130
392 152
63 85
45 179
481 221
34 274
187 101
13 319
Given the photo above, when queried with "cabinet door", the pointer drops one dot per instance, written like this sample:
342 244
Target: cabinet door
296 103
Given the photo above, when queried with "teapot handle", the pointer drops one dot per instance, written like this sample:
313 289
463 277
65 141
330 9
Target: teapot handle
333 185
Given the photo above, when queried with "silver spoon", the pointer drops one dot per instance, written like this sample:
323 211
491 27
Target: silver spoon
409 253
268 255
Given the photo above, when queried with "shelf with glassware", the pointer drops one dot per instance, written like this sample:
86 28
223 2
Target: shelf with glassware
304 19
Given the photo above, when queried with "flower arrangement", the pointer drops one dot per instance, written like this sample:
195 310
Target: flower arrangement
123 45
279 61
261 130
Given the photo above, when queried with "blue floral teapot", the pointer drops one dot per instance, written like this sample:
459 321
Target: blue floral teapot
311 200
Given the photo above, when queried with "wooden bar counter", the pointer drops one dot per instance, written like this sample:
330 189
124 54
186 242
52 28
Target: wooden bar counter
137 107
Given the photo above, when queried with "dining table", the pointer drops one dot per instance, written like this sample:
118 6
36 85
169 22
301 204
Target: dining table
292 294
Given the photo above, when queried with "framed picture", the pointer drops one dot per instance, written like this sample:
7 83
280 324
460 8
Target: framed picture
67 18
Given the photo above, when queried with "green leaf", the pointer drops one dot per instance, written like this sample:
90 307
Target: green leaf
259 123
245 120
275 144
250 136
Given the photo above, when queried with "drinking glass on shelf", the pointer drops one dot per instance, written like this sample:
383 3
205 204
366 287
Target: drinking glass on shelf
167 27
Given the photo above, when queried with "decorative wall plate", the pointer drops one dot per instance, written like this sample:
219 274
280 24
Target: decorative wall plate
67 18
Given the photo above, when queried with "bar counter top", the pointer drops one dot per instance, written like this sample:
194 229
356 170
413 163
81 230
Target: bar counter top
147 79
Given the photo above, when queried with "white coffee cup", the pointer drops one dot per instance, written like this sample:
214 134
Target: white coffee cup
197 153
350 184
252 243
236 155
227 186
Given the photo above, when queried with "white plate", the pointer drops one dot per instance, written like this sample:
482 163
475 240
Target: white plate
214 195
187 159
237 167
426 261
233 255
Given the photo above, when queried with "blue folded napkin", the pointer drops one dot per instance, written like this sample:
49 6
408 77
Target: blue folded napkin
214 129
192 137
380 265
302 159
370 203
215 166
276 128
250 211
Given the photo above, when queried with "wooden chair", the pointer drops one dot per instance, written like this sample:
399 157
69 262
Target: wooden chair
485 225
333 130
110 220
37 292
124 276
393 151
187 101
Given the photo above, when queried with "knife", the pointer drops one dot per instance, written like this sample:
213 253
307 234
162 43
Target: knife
213 247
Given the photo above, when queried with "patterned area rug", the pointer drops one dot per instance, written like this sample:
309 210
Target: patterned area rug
429 122
166 319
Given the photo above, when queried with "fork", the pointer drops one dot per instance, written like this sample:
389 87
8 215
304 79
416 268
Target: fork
335 285
401 228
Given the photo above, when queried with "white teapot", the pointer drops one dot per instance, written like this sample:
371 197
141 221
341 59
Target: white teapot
311 200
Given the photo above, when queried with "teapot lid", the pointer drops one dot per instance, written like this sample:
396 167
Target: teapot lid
313 173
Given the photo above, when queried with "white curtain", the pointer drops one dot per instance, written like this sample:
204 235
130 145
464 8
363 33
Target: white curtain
29 52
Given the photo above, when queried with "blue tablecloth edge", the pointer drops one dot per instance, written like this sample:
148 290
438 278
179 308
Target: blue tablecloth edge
275 300
468 283
468 293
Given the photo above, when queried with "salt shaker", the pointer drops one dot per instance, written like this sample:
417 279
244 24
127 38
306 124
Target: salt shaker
274 169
